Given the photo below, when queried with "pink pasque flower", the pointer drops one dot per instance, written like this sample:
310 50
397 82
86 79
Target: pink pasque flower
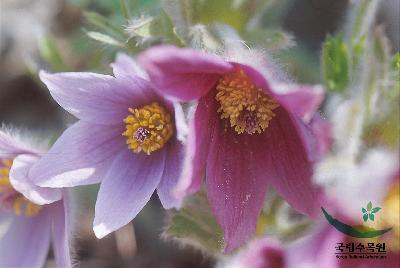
29 215
249 130
127 138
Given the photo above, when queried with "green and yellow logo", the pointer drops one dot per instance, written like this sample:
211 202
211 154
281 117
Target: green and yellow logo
360 231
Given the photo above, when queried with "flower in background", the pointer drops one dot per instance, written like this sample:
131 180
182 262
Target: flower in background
29 215
249 130
127 138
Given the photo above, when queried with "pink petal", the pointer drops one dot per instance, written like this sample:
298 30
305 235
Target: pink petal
100 99
288 164
82 155
202 122
182 73
125 66
26 241
172 170
236 182
22 183
60 213
322 132
126 189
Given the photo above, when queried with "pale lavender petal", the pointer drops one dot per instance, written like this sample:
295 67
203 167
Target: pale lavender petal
9 147
125 66
99 99
261 253
202 122
288 164
82 155
126 189
22 183
236 182
60 214
26 242
182 73
169 179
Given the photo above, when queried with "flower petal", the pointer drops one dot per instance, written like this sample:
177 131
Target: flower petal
82 155
288 164
172 170
60 213
9 147
100 99
202 121
26 242
126 189
236 182
125 66
21 182
182 73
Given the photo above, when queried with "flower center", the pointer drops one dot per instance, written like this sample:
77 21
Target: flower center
10 199
148 128
247 107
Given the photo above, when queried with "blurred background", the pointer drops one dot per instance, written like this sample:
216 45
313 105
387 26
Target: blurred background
60 35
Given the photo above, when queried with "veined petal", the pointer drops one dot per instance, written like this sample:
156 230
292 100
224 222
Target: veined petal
96 98
21 182
202 122
60 214
126 188
182 73
125 66
236 182
26 242
82 155
288 165
172 170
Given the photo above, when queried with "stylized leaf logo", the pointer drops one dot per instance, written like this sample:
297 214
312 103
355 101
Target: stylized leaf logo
369 213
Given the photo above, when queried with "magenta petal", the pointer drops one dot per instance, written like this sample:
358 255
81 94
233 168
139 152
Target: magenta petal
82 155
26 242
202 122
125 66
236 183
21 182
288 164
126 189
183 73
60 213
172 170
100 99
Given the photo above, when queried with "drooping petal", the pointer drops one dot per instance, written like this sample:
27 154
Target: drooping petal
288 164
172 170
126 188
22 183
26 242
183 74
99 99
236 182
60 214
202 122
82 155
125 66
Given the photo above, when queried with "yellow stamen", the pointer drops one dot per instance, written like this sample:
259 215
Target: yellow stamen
247 107
148 128
15 200
391 215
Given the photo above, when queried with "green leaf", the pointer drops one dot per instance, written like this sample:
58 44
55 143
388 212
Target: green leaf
372 216
364 210
195 225
105 25
124 9
369 206
375 210
106 39
335 61
365 217
50 53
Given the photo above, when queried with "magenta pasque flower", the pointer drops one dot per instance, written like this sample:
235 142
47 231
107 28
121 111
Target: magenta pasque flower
127 138
29 215
249 130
